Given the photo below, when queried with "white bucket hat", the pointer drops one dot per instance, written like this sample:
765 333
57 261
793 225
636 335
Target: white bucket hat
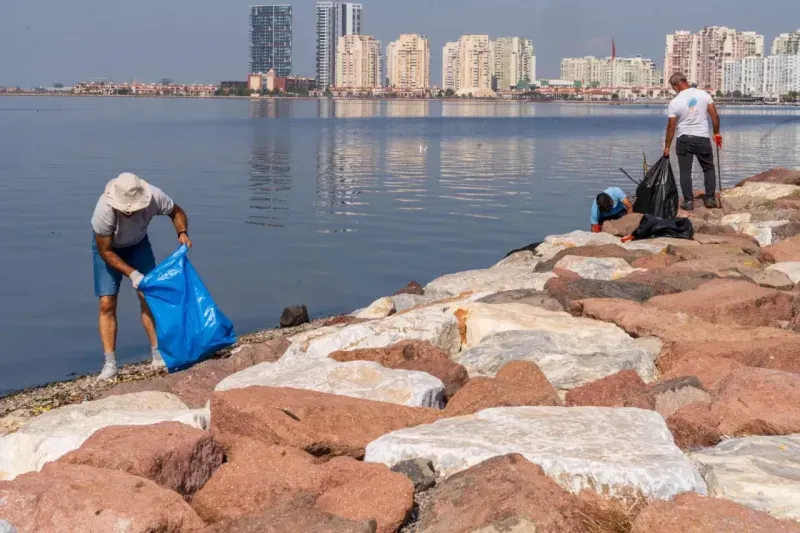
128 193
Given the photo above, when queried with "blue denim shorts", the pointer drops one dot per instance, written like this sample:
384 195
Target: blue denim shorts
107 280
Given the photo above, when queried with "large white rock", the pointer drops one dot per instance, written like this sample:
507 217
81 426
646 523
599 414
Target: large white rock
357 379
404 302
759 472
759 193
488 280
525 258
482 320
60 431
568 359
429 324
613 451
555 243
380 308
602 268
790 268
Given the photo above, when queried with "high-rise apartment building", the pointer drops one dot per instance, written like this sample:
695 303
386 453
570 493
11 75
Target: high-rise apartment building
781 75
702 55
451 66
786 44
513 61
475 65
271 39
619 72
732 76
334 20
408 62
358 62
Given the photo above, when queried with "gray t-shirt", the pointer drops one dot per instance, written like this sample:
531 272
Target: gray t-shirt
129 231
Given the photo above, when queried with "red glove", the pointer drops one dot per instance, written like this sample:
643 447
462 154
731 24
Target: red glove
627 239
718 140
596 228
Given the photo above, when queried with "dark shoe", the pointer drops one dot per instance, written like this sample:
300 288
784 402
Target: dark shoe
687 205
710 203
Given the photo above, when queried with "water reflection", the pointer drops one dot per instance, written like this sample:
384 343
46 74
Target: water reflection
270 177
487 109
407 171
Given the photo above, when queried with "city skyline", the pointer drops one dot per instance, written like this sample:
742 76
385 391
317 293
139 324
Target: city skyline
148 40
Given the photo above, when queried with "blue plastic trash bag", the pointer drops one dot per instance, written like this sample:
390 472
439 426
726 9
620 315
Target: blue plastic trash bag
189 324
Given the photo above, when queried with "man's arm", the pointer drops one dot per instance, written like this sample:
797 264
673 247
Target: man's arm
110 257
628 205
181 223
712 110
672 124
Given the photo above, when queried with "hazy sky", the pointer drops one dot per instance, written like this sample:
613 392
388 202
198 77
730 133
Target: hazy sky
47 41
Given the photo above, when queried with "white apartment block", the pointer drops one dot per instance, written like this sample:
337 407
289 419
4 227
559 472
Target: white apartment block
451 66
358 62
334 20
408 62
621 72
702 55
781 75
513 61
743 75
475 65
732 76
786 44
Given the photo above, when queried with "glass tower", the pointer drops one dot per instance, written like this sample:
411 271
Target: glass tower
334 20
271 39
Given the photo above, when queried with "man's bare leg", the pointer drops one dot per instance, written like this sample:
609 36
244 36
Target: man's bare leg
150 328
108 335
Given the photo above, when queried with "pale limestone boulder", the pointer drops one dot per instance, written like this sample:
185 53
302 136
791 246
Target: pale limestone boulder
759 472
763 231
759 193
6 527
380 308
488 280
482 320
790 268
567 359
555 243
429 324
602 268
525 258
357 379
60 431
618 452
404 302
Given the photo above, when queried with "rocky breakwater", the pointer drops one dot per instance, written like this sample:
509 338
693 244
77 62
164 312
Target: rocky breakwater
581 385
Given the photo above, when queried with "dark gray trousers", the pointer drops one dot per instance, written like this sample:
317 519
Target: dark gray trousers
687 148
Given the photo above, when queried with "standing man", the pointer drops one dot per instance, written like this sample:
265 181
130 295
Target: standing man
688 117
121 247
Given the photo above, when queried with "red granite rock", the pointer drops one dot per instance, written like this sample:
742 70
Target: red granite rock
711 371
668 281
260 478
568 291
775 353
624 226
694 427
293 519
603 250
788 250
77 498
655 261
623 389
731 302
743 243
519 383
321 424
774 175
505 491
670 395
195 385
413 355
412 288
692 513
788 202
173 455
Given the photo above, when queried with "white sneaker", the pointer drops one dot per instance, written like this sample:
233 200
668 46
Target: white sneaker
158 362
109 371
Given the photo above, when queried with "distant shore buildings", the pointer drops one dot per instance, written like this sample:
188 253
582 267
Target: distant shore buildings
408 63
610 72
334 20
271 39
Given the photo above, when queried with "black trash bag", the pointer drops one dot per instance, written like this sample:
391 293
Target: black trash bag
529 248
651 227
657 195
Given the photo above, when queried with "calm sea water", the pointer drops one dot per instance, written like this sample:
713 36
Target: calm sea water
329 203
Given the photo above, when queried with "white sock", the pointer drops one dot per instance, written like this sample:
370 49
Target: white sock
111 357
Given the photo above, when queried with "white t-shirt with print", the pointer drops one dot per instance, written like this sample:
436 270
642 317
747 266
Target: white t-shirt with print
129 231
691 108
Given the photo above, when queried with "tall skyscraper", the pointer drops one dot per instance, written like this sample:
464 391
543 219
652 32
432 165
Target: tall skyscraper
514 61
408 62
702 55
271 39
334 20
358 62
786 44
451 66
475 65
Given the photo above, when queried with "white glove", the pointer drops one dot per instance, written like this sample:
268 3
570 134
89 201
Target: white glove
136 278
